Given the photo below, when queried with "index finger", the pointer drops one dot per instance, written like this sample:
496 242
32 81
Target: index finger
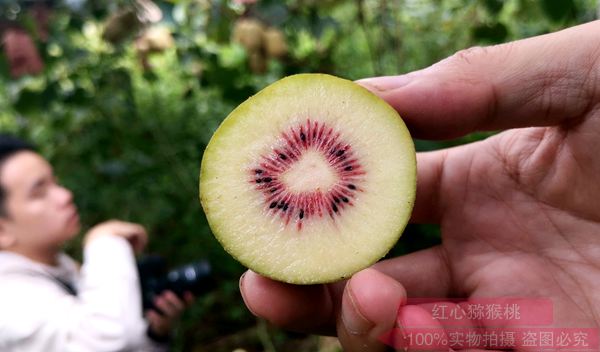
541 81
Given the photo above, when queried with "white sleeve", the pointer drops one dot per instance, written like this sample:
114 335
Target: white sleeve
105 316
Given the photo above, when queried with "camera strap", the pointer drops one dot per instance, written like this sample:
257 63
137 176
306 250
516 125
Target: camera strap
67 286
64 284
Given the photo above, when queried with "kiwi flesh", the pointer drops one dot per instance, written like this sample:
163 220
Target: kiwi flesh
310 180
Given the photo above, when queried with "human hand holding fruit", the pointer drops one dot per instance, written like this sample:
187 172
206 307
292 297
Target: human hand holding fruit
519 211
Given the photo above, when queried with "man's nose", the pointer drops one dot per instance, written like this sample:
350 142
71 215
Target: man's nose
65 195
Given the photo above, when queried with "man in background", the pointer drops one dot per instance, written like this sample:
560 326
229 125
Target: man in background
47 302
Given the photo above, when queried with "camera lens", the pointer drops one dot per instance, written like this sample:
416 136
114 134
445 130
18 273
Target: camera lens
195 278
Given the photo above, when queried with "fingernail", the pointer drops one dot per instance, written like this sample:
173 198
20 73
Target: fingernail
387 82
353 320
242 293
242 280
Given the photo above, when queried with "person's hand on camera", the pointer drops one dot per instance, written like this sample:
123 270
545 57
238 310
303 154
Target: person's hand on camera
519 212
171 307
135 234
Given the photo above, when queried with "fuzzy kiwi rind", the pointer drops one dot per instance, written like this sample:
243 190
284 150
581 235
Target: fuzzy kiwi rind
239 113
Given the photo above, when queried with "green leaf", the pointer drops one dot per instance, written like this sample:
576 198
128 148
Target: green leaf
494 6
559 10
232 56
494 33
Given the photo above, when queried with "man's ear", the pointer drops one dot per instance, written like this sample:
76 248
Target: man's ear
6 239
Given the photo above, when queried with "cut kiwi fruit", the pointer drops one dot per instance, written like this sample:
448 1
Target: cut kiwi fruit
310 180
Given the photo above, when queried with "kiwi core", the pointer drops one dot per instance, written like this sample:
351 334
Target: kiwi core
311 173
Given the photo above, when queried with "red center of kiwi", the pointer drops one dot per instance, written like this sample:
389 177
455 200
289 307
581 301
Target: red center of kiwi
290 206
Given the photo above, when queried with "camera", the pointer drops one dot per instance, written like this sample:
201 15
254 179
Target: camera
155 278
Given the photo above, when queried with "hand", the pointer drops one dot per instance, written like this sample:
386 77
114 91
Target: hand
519 212
171 307
135 234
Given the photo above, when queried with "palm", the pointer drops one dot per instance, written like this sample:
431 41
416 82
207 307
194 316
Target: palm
513 226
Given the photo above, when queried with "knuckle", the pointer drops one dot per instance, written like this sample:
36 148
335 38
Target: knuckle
162 305
172 296
483 56
469 55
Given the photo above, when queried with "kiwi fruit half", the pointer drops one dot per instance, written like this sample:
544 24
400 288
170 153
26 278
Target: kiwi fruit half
310 180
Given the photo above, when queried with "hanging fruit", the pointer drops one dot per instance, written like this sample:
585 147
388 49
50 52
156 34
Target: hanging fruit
249 33
121 25
154 39
274 42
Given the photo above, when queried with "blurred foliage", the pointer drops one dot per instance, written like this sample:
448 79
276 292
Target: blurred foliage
124 117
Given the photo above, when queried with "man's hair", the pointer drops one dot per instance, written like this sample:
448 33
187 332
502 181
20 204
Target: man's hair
9 146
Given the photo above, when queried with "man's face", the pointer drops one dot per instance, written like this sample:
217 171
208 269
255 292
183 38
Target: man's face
41 214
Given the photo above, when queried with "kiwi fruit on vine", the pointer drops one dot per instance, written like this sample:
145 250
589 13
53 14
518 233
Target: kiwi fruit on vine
121 25
155 39
274 42
310 180
248 32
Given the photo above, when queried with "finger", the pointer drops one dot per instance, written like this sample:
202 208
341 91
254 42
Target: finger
427 326
541 81
175 302
310 308
165 307
369 307
293 307
414 320
153 318
425 273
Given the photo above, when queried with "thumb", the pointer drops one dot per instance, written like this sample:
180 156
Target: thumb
369 308
541 81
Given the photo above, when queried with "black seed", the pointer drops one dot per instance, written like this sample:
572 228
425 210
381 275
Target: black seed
339 153
273 205
285 207
267 179
258 171
258 180
334 207
348 168
282 156
272 190
302 136
280 205
335 199
301 213
345 200
351 186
